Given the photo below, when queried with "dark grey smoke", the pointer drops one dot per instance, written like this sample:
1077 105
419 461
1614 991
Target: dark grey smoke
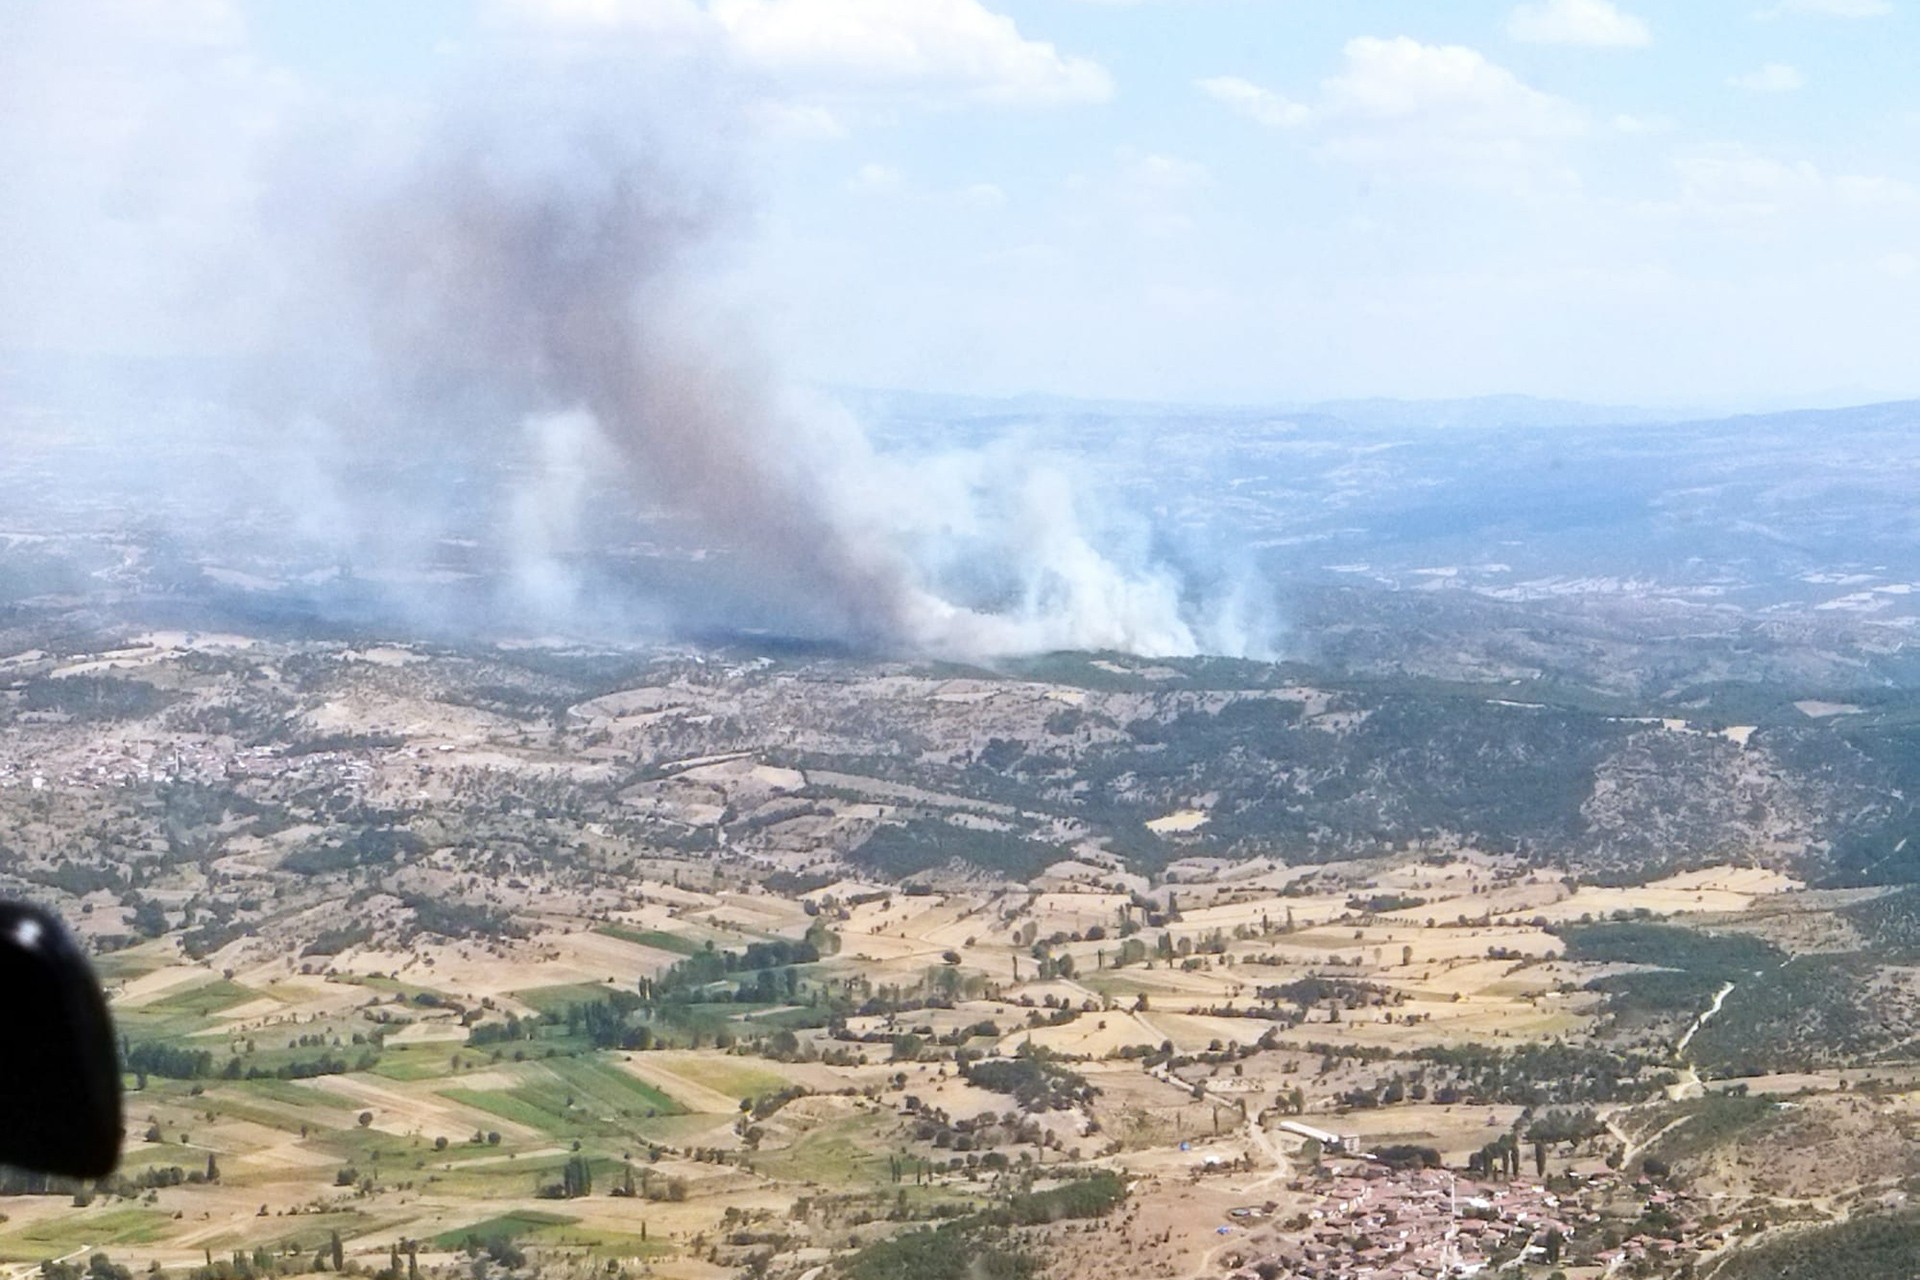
529 294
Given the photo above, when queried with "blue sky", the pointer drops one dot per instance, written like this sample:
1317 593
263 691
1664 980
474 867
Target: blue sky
1699 204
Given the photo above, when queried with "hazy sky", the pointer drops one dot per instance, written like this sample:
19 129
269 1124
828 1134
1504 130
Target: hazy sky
1697 201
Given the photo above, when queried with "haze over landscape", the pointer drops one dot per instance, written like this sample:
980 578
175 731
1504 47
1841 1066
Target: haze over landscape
970 639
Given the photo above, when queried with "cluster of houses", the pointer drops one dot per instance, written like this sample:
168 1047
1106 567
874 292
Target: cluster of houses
104 764
1374 1222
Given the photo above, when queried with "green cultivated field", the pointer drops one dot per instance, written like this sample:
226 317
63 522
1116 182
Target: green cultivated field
659 940
572 1098
728 1076
846 1151
183 1012
555 999
84 1228
506 1226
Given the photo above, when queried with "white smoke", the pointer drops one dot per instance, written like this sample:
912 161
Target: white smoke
547 511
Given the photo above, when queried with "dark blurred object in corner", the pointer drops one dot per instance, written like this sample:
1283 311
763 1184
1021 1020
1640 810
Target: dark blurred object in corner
59 1070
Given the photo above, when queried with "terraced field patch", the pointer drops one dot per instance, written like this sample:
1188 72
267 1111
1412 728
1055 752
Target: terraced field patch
505 1226
81 1230
572 1098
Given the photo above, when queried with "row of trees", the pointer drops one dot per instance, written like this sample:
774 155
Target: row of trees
576 1180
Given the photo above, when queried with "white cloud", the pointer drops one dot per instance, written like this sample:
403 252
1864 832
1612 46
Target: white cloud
1250 100
1746 183
798 120
1827 9
884 181
1754 191
1595 24
815 51
876 180
1153 172
1632 124
572 27
1148 193
1774 77
1441 111
985 196
1874 191
947 48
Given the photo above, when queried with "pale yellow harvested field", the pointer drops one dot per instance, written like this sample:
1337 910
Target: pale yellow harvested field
953 1095
803 1116
1076 911
653 1069
410 717
940 1020
1190 1032
973 933
407 1112
883 949
1094 1034
1429 946
903 793
1177 821
1522 939
742 776
772 905
675 1221
751 916
1456 1131
817 1076
285 1154
325 1109
260 1154
255 1012
640 703
1180 987
139 992
589 952
1787 1082
1478 974
1714 889
537 1153
1475 1019
1126 1084
553 958
433 1031
302 997
504 1076
913 929
899 914
735 1076
1275 910
1270 875
1521 899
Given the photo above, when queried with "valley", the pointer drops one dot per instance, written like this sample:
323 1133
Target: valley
694 961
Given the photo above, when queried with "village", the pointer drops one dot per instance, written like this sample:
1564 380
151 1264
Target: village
1371 1218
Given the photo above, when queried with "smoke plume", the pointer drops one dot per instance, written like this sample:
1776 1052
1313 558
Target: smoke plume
514 289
